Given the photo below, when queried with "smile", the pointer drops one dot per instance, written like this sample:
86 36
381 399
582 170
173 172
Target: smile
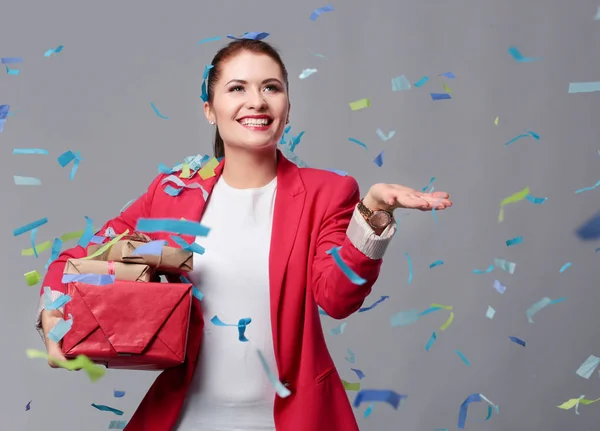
256 123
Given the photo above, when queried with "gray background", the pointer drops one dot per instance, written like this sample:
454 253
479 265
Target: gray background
119 56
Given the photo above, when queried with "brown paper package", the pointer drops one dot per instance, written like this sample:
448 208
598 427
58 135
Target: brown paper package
172 259
123 271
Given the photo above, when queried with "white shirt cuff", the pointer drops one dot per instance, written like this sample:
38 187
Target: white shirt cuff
362 236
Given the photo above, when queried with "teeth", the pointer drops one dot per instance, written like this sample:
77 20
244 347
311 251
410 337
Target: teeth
254 122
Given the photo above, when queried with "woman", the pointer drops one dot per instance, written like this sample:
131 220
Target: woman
268 257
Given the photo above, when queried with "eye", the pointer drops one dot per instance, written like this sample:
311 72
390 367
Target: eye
272 87
236 88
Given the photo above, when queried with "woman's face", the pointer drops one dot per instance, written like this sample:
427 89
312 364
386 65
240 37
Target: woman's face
250 103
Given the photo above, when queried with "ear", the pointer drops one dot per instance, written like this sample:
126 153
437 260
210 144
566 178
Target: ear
208 112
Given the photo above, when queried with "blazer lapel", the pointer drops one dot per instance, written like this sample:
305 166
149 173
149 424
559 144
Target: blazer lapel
289 204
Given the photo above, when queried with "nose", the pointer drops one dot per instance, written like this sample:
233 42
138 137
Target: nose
256 100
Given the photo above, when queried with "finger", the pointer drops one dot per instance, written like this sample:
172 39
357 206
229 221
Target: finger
440 195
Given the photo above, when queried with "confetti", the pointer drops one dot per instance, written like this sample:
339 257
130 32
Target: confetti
204 94
360 104
241 325
410 268
490 313
534 200
56 50
379 301
585 189
523 135
574 402
421 82
379 159
517 341
484 271
440 96
32 278
430 342
586 369
405 318
180 227
584 87
11 60
351 386
385 137
565 266
93 279
351 356
496 121
515 197
30 151
88 233
499 287
195 292
359 373
338 329
49 304
117 425
449 308
60 329
590 230
542 303
4 112
351 275
119 394
462 413
379 395
368 411
26 181
306 73
81 362
28 406
446 88
107 409
281 390
516 54
400 83
65 158
436 263
505 265
209 39
106 246
514 241
317 12
26 228
253 35
429 184
462 357
356 141
156 111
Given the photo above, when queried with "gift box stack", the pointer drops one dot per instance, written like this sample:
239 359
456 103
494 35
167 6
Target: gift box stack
131 321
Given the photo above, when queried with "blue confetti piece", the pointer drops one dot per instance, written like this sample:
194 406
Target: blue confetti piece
588 188
32 241
281 390
4 111
536 201
209 39
368 411
410 268
88 233
405 318
462 357
424 189
65 158
421 81
356 141
55 252
379 159
379 301
30 151
565 266
11 60
28 406
440 96
516 54
12 71
430 342
49 304
204 94
523 135
385 137
517 341
484 271
26 181
449 75
351 275
322 312
400 83
429 311
156 111
21 230
193 247
340 173
253 35
94 279
107 409
514 241
379 395
195 292
590 230
351 356
152 248
56 50
315 14
60 329
119 394
75 166
241 325
338 329
117 425
296 141
359 373
462 414
499 287
436 263
584 87
181 227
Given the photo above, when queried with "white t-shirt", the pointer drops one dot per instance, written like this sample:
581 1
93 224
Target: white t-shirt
230 390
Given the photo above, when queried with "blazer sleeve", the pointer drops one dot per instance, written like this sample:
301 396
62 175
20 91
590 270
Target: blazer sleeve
126 220
361 250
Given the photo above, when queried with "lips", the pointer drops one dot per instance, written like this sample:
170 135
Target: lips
255 121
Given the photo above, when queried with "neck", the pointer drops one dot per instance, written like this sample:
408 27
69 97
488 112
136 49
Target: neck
248 169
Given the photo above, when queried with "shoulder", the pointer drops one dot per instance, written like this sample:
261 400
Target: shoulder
325 182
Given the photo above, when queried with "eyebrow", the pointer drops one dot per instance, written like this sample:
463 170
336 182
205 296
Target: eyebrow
241 81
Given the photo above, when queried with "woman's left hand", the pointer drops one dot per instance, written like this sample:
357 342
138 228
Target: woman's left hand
391 196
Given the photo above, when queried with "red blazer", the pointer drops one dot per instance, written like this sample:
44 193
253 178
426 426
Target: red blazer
312 211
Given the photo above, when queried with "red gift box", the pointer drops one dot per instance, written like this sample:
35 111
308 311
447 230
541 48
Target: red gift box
128 324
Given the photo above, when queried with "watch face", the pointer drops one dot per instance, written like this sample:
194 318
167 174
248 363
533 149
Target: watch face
380 219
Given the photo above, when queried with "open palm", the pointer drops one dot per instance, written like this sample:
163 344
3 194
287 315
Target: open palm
392 196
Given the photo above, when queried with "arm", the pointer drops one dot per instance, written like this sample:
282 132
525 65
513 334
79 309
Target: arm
126 220
362 250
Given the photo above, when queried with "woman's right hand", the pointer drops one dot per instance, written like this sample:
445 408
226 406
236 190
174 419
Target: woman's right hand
49 319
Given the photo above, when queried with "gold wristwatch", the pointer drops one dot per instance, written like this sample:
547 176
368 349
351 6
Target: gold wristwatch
379 219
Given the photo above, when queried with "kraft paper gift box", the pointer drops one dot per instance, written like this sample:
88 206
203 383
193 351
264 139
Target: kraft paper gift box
121 271
171 259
